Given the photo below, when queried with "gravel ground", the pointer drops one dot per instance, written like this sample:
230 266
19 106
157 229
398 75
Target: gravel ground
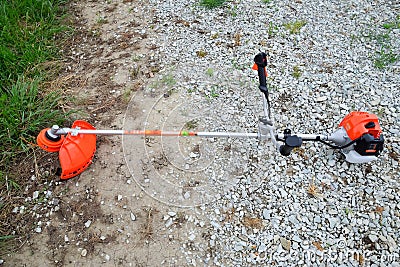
311 208
227 202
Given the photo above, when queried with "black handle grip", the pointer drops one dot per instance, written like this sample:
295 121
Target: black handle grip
291 142
261 60
285 150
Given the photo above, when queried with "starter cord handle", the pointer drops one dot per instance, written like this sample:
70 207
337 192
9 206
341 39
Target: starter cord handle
261 61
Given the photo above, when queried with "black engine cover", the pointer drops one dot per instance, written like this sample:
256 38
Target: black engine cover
367 145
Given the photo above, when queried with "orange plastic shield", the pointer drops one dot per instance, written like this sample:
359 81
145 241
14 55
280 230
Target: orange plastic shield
77 152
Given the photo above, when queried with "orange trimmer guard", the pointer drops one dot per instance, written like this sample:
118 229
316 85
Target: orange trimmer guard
77 152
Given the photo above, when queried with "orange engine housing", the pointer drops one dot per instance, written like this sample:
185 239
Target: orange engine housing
358 123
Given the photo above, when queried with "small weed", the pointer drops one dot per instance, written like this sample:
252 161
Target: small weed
295 27
384 58
272 30
266 1
348 211
201 53
233 11
168 80
296 72
101 20
212 3
135 72
11 184
215 35
192 124
392 25
384 55
210 72
213 92
235 64
136 57
382 39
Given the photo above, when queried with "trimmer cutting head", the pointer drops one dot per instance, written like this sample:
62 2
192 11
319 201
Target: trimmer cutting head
76 151
49 141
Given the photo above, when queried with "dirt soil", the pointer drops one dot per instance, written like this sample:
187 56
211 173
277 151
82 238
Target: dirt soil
103 216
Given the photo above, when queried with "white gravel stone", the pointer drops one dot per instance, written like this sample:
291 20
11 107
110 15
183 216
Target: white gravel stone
172 213
186 195
373 238
88 223
169 222
83 252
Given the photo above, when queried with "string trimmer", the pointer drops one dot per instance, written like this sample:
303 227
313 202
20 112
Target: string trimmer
359 136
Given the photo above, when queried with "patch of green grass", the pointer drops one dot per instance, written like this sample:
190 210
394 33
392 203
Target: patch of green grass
385 54
212 3
9 184
382 39
295 26
385 57
27 33
392 24
24 112
266 1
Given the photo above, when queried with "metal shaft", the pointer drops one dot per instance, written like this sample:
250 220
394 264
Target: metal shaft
55 130
307 137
